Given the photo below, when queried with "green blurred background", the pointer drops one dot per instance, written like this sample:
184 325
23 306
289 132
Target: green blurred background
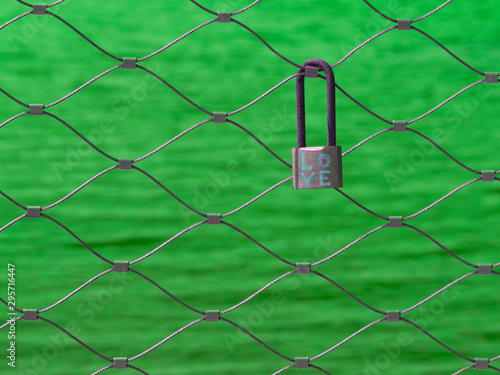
222 67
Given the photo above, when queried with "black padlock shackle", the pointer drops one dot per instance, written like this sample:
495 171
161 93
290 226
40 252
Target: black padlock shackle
301 110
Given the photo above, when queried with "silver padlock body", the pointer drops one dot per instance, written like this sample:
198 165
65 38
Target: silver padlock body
317 167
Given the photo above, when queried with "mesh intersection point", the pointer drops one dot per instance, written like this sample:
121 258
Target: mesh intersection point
303 268
312 72
125 163
491 77
484 269
393 316
121 266
399 126
129 63
213 315
34 211
36 109
301 362
404 24
39 9
30 314
224 17
120 363
487 176
395 221
481 364
213 219
220 117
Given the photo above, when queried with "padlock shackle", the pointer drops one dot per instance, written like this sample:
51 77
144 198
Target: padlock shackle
301 110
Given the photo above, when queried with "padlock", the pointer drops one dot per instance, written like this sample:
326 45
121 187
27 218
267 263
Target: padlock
316 167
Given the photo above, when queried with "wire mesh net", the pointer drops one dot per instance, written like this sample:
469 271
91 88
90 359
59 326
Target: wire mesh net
222 218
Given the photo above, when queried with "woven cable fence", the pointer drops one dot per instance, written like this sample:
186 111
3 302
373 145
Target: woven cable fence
29 212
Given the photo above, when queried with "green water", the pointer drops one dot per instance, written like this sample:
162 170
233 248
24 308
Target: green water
218 167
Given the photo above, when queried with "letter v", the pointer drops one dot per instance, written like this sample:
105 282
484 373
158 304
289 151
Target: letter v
307 180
